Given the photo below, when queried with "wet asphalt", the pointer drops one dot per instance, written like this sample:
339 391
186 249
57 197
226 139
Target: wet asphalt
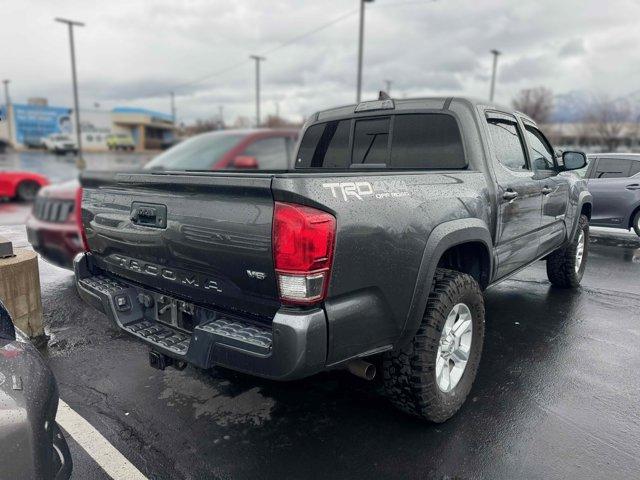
557 394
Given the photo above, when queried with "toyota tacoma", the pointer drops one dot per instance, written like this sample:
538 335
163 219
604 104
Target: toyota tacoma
370 253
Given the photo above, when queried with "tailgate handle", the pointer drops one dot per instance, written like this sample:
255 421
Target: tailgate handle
149 215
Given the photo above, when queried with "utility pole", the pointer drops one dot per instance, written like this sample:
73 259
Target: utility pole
495 53
221 109
360 48
258 59
7 101
388 87
173 107
80 163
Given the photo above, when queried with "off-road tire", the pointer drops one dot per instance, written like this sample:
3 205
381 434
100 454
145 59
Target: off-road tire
561 263
27 191
636 223
409 374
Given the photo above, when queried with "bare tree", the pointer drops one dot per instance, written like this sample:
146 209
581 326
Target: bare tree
242 122
609 120
535 102
275 121
200 126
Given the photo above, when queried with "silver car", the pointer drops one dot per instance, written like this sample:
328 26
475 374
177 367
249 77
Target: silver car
614 182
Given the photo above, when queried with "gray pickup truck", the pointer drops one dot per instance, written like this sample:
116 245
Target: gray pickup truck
370 253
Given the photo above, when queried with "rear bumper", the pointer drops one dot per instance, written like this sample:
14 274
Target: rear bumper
294 346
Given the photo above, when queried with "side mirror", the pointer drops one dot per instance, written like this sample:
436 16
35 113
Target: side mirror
245 162
574 160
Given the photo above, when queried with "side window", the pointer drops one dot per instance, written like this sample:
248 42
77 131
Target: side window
271 153
426 141
635 168
540 151
507 144
613 168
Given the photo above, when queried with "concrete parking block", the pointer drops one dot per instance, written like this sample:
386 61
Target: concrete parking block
20 292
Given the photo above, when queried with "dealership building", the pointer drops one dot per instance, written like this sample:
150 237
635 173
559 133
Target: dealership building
24 125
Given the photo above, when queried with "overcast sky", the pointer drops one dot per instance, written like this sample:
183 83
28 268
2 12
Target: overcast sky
133 52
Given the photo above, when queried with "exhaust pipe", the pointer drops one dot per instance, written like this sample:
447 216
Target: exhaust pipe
362 369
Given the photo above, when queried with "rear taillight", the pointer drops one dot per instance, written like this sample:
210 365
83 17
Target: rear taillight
79 223
303 241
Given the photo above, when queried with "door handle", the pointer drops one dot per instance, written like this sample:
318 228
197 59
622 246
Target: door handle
546 190
510 195
633 186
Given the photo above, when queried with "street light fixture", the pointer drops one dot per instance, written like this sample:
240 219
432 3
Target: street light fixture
495 53
80 163
360 48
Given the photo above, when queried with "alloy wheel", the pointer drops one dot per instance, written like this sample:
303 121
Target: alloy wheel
454 347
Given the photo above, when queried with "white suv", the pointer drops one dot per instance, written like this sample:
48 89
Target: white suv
60 143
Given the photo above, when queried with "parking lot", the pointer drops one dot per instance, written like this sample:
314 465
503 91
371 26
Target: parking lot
556 394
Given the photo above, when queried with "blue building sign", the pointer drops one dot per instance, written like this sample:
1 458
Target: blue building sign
32 122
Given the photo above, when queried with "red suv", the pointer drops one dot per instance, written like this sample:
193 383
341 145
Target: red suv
52 226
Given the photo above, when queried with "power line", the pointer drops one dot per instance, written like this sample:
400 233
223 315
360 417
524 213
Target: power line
266 52
284 44
311 32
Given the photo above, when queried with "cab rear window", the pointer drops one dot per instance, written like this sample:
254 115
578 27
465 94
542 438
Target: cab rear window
402 141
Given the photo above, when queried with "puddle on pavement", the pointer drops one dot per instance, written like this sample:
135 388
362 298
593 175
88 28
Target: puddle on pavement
207 399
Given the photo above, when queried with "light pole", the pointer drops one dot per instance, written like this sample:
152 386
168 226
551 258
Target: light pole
360 48
7 101
388 87
258 59
173 107
495 53
80 163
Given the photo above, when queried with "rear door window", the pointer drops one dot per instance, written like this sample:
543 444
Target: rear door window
507 144
613 168
418 141
635 168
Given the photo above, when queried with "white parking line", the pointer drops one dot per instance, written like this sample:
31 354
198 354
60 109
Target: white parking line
106 455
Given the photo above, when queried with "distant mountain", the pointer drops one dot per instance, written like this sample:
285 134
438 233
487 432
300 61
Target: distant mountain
572 106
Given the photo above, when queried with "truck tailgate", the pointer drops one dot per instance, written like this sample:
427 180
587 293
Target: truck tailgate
204 237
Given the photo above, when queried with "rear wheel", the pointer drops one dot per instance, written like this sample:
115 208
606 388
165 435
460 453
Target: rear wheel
27 191
565 266
431 377
636 223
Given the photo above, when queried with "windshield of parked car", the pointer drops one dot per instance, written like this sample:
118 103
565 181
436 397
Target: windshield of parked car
201 152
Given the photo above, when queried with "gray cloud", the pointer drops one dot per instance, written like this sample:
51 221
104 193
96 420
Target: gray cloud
573 48
134 53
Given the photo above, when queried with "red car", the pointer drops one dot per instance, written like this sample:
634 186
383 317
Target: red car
52 226
52 229
21 185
